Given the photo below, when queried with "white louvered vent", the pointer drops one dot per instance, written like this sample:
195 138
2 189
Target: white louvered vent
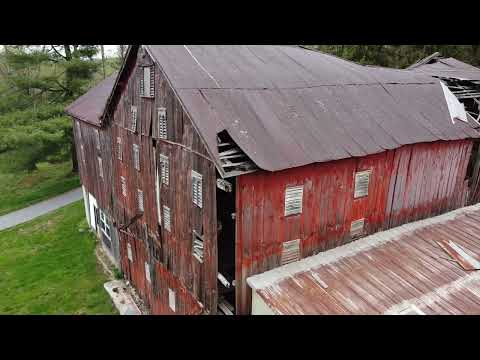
197 250
136 157
166 218
140 200
152 81
142 86
129 252
362 182
293 200
100 167
133 118
290 251
97 139
147 82
197 189
119 149
157 189
356 228
165 169
162 123
171 299
123 181
147 272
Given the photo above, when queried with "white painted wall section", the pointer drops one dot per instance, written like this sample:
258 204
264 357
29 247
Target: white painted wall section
93 204
259 307
87 206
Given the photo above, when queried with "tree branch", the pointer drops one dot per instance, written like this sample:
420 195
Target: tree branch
53 47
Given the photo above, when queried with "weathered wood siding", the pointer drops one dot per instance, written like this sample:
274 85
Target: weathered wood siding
88 163
169 253
194 281
407 184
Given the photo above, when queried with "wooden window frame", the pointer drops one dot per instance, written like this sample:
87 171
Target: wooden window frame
105 225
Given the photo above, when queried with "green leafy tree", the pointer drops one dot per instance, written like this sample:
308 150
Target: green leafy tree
43 79
400 56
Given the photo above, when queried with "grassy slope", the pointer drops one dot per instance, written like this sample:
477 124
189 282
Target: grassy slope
48 266
18 190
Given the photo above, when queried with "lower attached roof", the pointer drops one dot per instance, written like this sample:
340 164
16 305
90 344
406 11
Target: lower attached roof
405 270
90 106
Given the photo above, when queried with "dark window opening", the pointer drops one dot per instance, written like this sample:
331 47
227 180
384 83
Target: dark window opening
472 168
226 245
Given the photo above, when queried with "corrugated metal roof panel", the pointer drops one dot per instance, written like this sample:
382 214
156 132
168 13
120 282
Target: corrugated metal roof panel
286 106
285 128
385 273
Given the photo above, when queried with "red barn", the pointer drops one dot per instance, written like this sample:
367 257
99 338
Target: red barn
210 164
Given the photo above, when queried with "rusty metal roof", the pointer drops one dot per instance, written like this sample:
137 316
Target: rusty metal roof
287 106
447 68
90 106
399 271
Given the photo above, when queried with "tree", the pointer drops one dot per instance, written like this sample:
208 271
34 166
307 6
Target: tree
400 56
51 74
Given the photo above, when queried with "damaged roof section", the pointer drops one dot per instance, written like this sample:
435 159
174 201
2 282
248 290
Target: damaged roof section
285 106
90 107
438 66
463 80
426 267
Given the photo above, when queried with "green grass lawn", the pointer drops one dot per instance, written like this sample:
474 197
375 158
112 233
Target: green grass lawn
48 266
21 189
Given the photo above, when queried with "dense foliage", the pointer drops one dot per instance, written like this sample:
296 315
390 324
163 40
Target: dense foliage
36 83
400 56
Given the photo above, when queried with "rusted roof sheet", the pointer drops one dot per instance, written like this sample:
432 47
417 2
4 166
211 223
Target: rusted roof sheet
90 106
286 106
402 270
448 68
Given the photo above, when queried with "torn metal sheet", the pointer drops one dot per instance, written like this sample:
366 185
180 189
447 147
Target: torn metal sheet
455 107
